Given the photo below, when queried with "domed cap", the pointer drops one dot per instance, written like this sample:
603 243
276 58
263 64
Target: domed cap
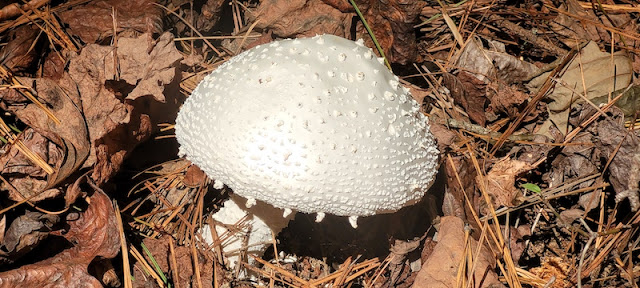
317 125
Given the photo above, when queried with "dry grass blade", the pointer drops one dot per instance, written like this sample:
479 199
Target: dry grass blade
281 275
25 19
505 251
191 27
498 247
52 28
196 221
126 266
145 266
174 264
585 21
612 7
620 234
562 190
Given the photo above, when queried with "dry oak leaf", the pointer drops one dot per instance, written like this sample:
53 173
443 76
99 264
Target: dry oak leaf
507 99
94 233
24 234
64 145
460 178
470 93
614 140
499 183
440 270
300 18
122 110
392 22
141 16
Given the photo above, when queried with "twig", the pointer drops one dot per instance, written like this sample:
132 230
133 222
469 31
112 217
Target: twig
592 236
484 131
527 35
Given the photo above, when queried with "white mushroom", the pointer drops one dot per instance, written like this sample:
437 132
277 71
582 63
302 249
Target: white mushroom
315 125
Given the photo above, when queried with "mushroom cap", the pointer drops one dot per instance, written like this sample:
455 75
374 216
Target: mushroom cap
317 125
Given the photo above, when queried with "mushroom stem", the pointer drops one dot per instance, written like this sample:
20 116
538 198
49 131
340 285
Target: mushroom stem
264 222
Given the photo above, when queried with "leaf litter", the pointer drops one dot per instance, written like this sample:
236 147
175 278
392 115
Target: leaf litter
534 106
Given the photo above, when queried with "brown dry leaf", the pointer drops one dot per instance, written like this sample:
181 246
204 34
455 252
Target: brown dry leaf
24 234
590 200
624 170
468 92
25 177
392 23
399 265
444 137
507 99
300 18
609 135
517 244
150 72
499 183
18 55
441 268
159 248
94 233
64 146
592 73
454 199
209 14
571 165
570 215
122 113
194 176
53 66
493 63
141 16
576 31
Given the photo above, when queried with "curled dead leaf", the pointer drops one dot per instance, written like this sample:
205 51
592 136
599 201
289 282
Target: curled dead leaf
392 23
441 268
94 233
65 146
470 93
499 183
24 234
123 106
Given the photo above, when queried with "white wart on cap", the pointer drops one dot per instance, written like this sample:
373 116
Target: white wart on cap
317 125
